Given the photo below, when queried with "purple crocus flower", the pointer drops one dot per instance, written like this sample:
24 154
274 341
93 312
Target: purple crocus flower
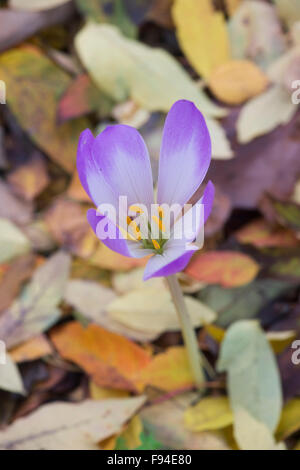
116 163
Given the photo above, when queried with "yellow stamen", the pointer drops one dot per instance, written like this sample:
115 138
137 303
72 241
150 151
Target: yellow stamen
160 212
156 244
136 209
159 223
136 230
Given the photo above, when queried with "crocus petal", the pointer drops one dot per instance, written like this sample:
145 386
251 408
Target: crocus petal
90 175
208 199
174 259
119 243
185 154
122 158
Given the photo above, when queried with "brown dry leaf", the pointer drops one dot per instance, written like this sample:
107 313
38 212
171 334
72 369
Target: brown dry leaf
111 360
16 274
76 191
166 422
69 426
12 207
202 34
261 234
33 349
82 97
35 84
169 370
68 225
16 26
238 178
237 81
160 13
228 268
36 309
31 178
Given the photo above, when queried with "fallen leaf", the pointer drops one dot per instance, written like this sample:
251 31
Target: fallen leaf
242 302
252 434
262 234
30 179
169 370
91 299
289 10
232 6
135 308
111 360
35 84
209 414
165 421
13 208
32 349
105 258
67 224
36 5
280 340
36 309
76 191
11 282
133 70
264 113
132 280
202 34
10 378
101 393
285 70
132 433
290 373
255 33
82 97
238 179
236 81
253 376
290 420
69 426
227 268
13 242
18 25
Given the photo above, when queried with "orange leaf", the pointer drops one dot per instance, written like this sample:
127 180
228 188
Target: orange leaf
169 370
110 359
32 349
228 268
263 235
108 259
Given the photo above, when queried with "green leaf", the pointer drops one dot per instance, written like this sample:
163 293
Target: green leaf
253 377
243 302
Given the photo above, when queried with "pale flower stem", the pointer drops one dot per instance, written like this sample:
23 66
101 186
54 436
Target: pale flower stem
188 332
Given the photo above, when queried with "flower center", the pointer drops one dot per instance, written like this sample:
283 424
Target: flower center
148 242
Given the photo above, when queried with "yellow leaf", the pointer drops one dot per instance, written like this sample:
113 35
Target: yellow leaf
210 413
169 370
215 332
290 419
101 393
34 84
202 34
132 433
237 81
